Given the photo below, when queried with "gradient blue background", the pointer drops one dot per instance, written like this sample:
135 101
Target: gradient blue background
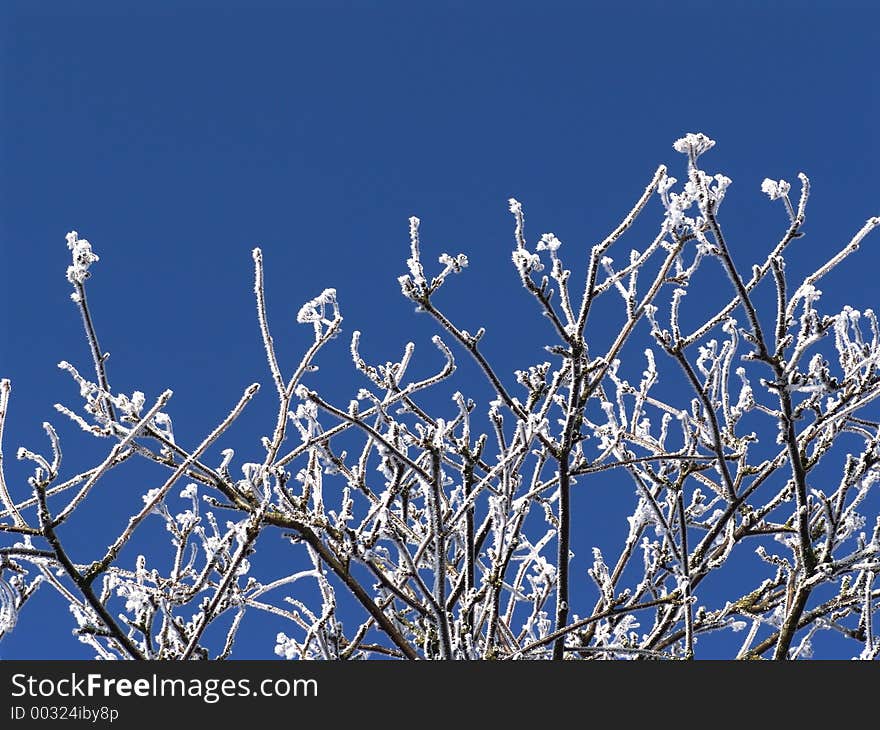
178 137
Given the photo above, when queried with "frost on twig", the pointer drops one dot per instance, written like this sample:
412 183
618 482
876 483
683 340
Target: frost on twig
83 257
321 312
9 601
414 285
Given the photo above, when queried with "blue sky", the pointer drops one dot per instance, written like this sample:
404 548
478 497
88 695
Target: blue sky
177 138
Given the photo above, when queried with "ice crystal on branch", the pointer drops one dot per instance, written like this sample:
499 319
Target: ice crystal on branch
321 311
693 144
83 257
775 188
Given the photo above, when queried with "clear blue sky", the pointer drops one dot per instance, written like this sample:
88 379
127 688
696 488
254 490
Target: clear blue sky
176 140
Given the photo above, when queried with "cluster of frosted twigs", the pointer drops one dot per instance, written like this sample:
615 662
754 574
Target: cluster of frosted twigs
447 532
